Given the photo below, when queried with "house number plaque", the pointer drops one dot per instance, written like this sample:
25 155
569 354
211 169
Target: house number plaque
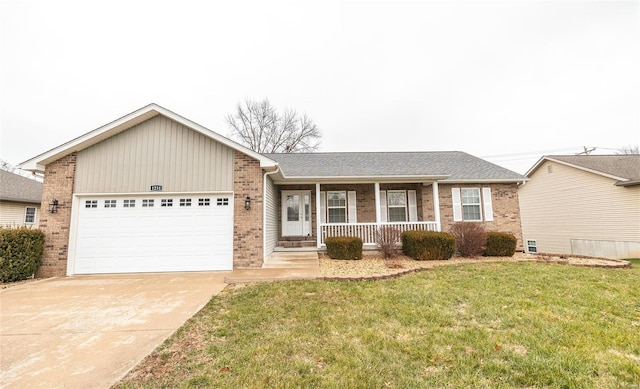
156 188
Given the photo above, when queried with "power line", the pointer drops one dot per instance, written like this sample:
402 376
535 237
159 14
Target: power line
532 152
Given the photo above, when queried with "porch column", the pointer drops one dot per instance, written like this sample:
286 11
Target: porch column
318 218
376 186
436 205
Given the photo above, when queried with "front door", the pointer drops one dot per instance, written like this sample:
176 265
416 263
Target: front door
296 213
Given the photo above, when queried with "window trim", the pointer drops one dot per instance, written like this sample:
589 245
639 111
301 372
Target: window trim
26 213
405 206
343 207
478 204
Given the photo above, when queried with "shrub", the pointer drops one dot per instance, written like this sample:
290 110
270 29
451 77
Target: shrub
20 253
387 238
423 245
344 247
471 238
500 244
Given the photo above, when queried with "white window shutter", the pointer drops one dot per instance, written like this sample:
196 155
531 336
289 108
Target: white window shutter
353 209
488 207
457 204
383 206
413 205
323 207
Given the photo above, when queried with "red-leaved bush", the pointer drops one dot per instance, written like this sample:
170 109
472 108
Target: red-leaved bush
471 238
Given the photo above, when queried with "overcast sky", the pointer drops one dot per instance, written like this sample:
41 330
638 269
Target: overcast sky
508 81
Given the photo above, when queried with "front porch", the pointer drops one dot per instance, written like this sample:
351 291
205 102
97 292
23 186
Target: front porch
368 231
310 213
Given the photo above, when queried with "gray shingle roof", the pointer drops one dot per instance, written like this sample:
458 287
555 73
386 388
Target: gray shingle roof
455 164
17 188
626 166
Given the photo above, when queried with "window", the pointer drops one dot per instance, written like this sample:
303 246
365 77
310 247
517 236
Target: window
30 215
222 201
147 203
532 246
110 203
185 202
397 204
471 204
203 202
337 207
166 203
129 203
91 204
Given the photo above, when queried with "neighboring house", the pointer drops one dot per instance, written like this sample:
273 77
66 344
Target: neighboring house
583 204
19 200
153 191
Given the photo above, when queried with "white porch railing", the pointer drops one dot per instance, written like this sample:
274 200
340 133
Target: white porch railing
367 231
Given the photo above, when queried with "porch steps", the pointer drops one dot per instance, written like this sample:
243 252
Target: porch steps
296 243
292 259
295 249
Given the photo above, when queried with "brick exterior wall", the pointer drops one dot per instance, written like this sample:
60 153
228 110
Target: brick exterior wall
248 224
58 184
506 208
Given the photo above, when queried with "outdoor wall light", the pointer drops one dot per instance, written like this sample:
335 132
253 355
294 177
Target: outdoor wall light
53 206
247 203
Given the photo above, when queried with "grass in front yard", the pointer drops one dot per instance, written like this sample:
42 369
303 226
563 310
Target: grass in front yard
484 325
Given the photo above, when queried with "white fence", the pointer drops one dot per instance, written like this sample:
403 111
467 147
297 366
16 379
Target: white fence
367 231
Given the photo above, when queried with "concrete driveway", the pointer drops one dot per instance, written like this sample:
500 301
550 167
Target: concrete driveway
89 331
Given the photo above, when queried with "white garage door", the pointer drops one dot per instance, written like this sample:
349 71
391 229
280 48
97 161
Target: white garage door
154 233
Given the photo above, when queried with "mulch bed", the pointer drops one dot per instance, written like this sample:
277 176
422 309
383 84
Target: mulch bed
376 267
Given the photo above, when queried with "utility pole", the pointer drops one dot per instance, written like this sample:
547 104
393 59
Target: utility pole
586 151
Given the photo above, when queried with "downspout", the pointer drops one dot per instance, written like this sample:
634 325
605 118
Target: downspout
264 212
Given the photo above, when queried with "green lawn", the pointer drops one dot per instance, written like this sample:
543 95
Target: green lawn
479 325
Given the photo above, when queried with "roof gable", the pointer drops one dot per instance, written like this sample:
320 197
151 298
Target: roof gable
624 168
17 188
126 122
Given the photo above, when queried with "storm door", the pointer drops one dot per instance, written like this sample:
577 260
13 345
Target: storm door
296 213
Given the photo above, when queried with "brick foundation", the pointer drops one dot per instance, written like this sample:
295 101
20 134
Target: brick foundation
58 184
247 226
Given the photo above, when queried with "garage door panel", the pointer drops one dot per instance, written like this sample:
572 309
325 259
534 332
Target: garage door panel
151 239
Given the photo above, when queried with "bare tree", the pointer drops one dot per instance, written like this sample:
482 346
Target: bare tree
629 150
9 167
259 126
6 166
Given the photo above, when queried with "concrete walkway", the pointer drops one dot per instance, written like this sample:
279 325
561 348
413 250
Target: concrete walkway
89 331
280 266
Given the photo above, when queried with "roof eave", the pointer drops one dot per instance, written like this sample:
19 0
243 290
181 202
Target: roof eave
16 200
486 181
628 183
359 179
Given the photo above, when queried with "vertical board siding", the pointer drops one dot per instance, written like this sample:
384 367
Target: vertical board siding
271 204
158 151
569 203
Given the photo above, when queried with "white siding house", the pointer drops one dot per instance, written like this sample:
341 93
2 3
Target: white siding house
19 200
583 205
